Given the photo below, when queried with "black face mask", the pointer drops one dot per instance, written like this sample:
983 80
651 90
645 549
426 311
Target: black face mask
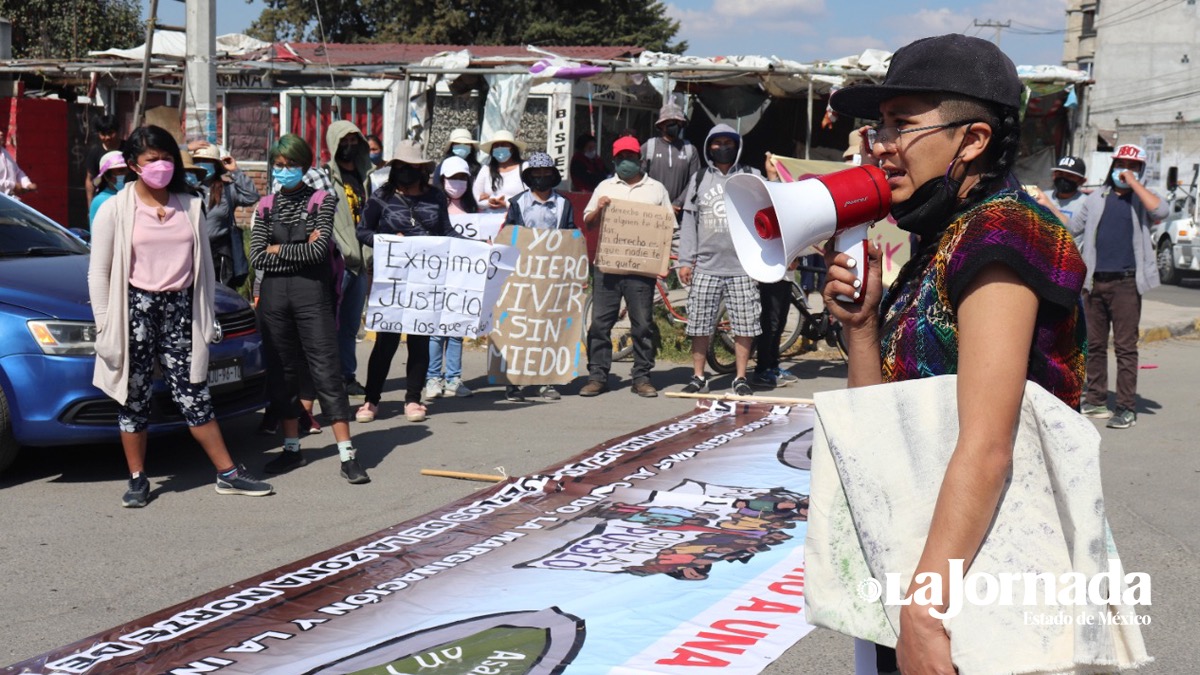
543 183
672 130
345 153
723 155
400 175
929 209
1065 186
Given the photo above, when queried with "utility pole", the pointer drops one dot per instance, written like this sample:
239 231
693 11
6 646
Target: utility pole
201 84
139 110
999 26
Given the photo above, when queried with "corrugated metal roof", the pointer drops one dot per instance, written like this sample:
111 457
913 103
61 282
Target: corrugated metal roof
376 54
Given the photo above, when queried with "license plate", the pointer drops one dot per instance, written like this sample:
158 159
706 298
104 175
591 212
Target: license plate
220 375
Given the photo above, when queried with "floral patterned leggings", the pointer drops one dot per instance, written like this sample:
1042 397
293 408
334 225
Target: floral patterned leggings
160 326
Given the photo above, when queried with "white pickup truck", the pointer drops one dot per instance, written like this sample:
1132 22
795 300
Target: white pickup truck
1177 239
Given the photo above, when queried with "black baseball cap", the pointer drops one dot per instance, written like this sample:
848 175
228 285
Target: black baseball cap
1073 166
954 63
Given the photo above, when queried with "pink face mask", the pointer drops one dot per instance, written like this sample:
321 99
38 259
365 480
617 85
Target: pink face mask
157 175
456 188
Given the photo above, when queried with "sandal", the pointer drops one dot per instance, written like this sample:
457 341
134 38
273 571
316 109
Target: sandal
414 412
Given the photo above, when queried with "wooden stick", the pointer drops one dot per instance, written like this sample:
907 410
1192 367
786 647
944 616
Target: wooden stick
482 477
746 399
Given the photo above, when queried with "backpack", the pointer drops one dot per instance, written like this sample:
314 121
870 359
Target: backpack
337 264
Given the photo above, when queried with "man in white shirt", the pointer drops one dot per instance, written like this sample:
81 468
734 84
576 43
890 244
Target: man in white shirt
13 180
629 184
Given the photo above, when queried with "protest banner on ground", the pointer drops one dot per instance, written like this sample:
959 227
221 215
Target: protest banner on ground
537 335
588 567
635 238
892 240
436 285
477 226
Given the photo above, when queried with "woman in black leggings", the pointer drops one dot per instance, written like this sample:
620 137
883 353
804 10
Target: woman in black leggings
407 205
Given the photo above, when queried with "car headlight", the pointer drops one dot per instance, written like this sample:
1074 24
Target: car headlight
64 337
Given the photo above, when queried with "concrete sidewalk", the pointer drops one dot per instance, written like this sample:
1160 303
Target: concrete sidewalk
1164 320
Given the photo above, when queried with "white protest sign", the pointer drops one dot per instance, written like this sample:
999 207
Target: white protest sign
436 285
537 336
478 226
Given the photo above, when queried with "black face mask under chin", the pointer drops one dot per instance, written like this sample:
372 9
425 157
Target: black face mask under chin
929 209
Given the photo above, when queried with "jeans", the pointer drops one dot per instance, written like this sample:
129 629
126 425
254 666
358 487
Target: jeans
380 363
354 298
1117 304
607 292
776 302
452 348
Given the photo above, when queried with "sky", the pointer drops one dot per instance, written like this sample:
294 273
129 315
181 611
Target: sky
806 30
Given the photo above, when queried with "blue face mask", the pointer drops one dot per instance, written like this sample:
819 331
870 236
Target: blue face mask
209 171
191 179
461 150
1116 179
502 154
119 183
376 157
288 178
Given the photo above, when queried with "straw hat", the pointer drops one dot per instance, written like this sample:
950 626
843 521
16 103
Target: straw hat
460 136
502 136
113 159
189 165
209 151
410 152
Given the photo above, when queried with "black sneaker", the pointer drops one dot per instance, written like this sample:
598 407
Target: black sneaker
354 473
765 379
513 393
741 387
138 493
698 385
353 388
285 461
242 483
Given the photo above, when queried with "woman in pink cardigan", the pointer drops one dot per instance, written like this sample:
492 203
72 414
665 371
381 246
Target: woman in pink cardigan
151 284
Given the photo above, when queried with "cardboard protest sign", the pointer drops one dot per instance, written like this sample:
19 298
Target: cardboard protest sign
477 226
635 238
678 548
891 239
436 285
537 336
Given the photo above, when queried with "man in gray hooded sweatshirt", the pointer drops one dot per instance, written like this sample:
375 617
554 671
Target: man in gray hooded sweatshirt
709 265
348 170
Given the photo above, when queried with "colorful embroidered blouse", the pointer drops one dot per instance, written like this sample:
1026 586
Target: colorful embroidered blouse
920 327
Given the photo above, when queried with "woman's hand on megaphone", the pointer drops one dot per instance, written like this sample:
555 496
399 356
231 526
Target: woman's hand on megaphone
840 280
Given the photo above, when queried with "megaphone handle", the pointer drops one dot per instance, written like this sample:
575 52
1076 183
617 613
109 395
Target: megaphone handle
853 242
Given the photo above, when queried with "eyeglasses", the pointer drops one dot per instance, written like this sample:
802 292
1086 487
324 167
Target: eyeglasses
888 136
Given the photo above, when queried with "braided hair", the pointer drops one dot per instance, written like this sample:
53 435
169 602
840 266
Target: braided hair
998 160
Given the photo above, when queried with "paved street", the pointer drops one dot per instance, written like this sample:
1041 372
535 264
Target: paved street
76 563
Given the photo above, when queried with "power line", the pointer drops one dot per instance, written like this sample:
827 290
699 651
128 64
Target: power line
999 26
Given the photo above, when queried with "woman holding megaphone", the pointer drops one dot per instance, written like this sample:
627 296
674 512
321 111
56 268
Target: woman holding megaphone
991 293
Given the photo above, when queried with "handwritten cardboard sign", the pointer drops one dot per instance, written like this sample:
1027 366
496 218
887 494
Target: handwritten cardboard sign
537 334
477 226
436 285
635 238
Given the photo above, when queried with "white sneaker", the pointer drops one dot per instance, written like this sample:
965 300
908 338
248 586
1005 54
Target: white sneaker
455 387
434 388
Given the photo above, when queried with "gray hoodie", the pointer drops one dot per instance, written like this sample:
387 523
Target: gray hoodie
345 221
704 241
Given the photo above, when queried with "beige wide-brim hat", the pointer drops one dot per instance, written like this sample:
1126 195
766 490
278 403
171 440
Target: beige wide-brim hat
502 136
189 165
853 144
410 152
460 136
209 151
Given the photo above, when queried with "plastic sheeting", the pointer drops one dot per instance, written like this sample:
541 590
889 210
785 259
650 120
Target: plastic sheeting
172 44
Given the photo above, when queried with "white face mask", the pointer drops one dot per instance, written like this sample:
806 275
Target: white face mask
455 188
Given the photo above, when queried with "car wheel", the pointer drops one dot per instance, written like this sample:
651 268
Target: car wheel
1167 273
8 444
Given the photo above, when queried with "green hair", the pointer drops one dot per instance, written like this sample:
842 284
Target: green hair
292 148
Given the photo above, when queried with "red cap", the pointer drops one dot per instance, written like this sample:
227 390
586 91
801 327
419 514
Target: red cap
626 143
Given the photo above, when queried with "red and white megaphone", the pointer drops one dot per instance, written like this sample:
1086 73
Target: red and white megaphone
772 223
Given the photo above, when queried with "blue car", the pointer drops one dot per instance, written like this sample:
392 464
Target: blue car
47 333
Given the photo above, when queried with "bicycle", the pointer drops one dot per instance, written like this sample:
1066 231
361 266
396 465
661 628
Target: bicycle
803 323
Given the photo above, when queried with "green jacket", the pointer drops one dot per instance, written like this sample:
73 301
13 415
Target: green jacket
345 223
